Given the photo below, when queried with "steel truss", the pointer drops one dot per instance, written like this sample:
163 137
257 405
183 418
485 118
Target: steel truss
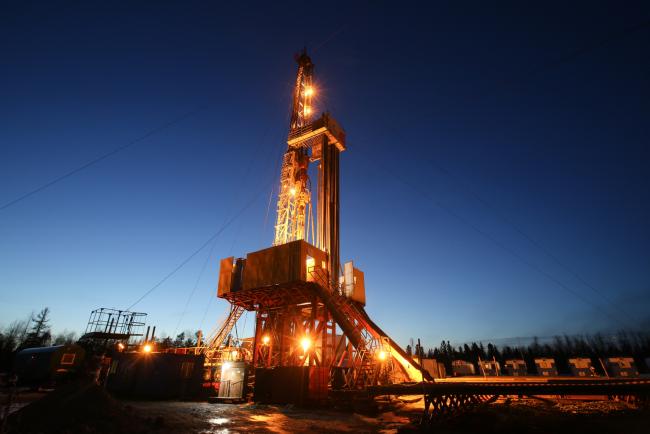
437 407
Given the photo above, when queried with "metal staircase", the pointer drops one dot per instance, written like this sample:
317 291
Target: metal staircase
366 344
219 336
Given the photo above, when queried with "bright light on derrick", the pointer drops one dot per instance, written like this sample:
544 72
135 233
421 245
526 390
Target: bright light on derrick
226 366
266 339
293 191
309 91
146 348
307 110
381 355
305 343
120 346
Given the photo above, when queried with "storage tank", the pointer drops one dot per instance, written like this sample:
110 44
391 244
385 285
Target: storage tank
36 366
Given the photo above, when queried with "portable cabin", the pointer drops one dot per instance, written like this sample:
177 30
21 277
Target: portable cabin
461 368
36 366
489 368
621 367
546 367
516 368
581 367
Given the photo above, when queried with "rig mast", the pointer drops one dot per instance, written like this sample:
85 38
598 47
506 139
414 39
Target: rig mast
309 317
320 142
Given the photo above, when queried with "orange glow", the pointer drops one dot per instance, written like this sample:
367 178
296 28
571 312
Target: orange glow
309 91
305 343
120 346
292 191
266 339
307 110
147 348
381 355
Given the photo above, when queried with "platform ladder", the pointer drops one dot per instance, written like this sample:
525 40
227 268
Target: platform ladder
220 335
364 370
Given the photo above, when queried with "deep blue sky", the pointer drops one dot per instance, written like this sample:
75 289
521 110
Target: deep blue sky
519 105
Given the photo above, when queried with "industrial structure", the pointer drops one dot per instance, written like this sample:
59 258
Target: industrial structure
310 310
312 333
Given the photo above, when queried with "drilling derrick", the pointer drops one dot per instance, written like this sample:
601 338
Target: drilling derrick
294 198
309 316
320 142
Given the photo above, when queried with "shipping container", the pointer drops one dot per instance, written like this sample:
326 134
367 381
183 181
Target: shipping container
38 366
156 375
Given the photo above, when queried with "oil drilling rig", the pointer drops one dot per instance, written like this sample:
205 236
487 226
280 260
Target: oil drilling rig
310 318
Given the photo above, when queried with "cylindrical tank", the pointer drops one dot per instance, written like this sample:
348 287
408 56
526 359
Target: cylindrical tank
35 366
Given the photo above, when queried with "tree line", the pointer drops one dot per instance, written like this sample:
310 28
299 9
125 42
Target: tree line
34 331
561 348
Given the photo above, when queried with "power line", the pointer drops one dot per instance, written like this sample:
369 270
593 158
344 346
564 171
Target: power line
530 239
501 245
196 285
189 258
105 156
587 48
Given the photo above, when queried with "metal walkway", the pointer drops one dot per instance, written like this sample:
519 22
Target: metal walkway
449 398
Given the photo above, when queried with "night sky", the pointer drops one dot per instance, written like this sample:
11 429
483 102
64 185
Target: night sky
496 182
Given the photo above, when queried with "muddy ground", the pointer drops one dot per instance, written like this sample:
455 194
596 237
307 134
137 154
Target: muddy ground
519 416
91 410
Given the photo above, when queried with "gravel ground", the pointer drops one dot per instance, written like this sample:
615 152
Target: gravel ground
93 411
506 416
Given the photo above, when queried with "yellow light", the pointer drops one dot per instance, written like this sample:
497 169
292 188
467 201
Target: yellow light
266 339
307 110
381 355
305 343
233 354
146 348
309 91
311 263
292 191
226 366
120 346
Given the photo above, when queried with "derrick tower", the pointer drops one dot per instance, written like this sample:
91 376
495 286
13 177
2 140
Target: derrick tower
308 142
310 315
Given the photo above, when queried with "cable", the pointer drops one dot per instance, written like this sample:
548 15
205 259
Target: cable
189 258
583 50
103 157
504 247
196 284
531 240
